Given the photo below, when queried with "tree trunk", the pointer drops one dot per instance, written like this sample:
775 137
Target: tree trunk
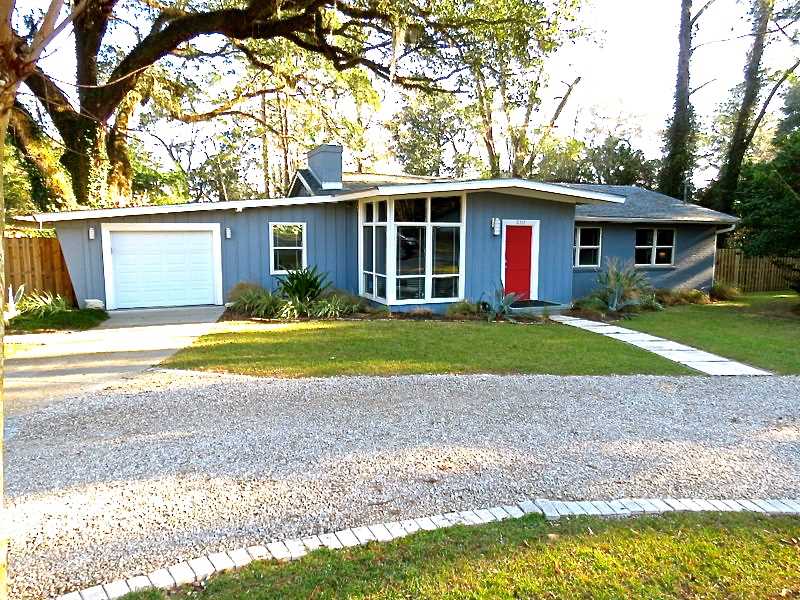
677 168
120 171
724 190
86 160
6 103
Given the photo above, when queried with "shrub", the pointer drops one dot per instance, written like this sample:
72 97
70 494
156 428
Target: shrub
649 301
679 297
464 309
258 303
303 285
42 304
724 291
333 307
620 287
242 287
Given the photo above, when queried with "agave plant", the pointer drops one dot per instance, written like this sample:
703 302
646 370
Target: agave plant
621 286
500 306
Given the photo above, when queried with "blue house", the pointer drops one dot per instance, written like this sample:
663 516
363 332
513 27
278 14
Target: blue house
401 241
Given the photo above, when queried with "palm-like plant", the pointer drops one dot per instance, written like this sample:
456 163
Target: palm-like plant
621 286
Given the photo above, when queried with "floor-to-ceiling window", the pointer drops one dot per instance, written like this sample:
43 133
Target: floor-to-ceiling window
412 249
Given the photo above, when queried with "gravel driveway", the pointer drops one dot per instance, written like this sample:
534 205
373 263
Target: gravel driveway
171 464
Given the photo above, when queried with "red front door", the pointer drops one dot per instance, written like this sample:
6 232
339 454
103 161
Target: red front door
518 260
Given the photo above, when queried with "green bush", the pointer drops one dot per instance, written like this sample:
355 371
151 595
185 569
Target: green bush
333 307
42 304
258 303
464 309
242 287
680 297
621 287
294 308
303 285
724 291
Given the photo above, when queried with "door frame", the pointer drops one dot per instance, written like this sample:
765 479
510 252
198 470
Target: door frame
536 226
106 229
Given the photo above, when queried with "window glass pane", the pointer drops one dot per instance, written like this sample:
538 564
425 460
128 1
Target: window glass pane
664 256
665 237
588 257
446 250
368 217
368 281
445 287
642 256
644 237
410 250
446 210
380 287
367 249
412 210
412 288
287 235
380 249
382 211
590 236
288 260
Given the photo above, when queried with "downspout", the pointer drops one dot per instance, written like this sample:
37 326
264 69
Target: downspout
727 229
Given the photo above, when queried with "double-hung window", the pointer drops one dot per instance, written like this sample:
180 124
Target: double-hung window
586 246
654 247
415 253
287 243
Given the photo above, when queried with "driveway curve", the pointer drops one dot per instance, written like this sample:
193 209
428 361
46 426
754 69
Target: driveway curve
172 464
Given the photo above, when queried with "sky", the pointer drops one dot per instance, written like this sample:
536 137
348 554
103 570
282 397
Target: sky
627 65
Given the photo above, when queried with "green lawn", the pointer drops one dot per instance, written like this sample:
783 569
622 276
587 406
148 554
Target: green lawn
676 556
326 348
68 320
759 329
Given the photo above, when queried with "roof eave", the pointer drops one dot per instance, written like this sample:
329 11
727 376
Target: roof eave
519 187
722 221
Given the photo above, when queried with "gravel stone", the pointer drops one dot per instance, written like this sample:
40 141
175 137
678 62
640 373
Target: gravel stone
171 464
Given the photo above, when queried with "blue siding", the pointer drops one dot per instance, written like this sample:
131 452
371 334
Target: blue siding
694 257
331 231
483 260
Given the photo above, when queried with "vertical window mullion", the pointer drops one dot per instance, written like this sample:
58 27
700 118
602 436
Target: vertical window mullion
428 253
391 254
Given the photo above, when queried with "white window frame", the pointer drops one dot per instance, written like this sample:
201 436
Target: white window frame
106 229
391 251
272 247
536 229
578 246
655 246
374 224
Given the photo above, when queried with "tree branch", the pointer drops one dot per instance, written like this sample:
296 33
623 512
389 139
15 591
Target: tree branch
754 127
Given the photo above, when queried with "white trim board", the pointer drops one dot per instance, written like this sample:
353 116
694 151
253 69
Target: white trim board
106 229
536 225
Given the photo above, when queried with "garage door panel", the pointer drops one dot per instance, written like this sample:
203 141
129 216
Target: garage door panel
162 268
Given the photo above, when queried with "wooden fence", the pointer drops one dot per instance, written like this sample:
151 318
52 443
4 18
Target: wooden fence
751 274
38 264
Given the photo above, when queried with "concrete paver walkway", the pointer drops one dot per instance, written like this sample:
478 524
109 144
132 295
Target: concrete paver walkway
47 367
705 362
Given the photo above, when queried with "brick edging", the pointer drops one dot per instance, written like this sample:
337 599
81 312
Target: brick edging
203 567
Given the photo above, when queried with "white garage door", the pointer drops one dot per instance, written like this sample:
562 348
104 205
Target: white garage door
162 268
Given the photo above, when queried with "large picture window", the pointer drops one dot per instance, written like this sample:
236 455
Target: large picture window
421 243
586 246
287 247
654 247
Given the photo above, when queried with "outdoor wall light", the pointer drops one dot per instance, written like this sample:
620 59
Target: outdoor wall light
227 233
91 233
495 225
